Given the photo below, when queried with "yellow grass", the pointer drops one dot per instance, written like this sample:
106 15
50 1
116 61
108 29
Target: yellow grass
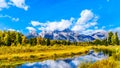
112 62
14 55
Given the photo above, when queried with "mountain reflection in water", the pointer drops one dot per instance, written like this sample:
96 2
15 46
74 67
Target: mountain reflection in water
67 62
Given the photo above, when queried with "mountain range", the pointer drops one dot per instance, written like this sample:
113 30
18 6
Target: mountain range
67 34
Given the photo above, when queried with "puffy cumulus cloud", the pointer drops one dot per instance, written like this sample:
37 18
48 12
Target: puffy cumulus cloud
3 4
35 23
19 4
86 20
86 15
10 17
63 24
31 29
83 24
78 28
57 25
9 3
91 24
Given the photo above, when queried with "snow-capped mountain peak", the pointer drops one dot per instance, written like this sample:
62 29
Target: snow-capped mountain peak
72 36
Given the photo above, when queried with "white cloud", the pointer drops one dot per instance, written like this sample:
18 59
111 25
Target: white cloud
117 29
86 20
91 31
10 3
11 30
103 27
19 4
10 17
60 25
15 19
100 30
90 24
83 24
31 29
35 23
86 15
63 24
3 4
96 27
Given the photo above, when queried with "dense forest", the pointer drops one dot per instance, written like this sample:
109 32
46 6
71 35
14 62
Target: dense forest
10 38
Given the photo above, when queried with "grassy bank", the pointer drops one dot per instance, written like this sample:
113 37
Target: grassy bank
14 55
112 62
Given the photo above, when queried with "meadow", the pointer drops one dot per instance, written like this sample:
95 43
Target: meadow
15 55
11 56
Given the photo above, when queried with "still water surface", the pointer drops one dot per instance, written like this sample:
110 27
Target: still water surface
67 62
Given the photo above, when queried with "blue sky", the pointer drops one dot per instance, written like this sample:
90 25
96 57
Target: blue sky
84 16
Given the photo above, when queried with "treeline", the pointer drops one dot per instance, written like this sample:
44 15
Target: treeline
112 39
8 38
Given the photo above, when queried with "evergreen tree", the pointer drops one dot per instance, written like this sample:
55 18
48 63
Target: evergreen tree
104 42
43 42
33 41
0 37
39 40
24 40
64 42
116 39
68 42
0 40
7 40
18 38
48 42
12 35
97 41
113 39
110 34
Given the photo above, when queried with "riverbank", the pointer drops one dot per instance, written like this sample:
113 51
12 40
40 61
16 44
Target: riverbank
112 62
15 55
72 62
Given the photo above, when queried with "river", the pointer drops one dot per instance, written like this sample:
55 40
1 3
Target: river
73 62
